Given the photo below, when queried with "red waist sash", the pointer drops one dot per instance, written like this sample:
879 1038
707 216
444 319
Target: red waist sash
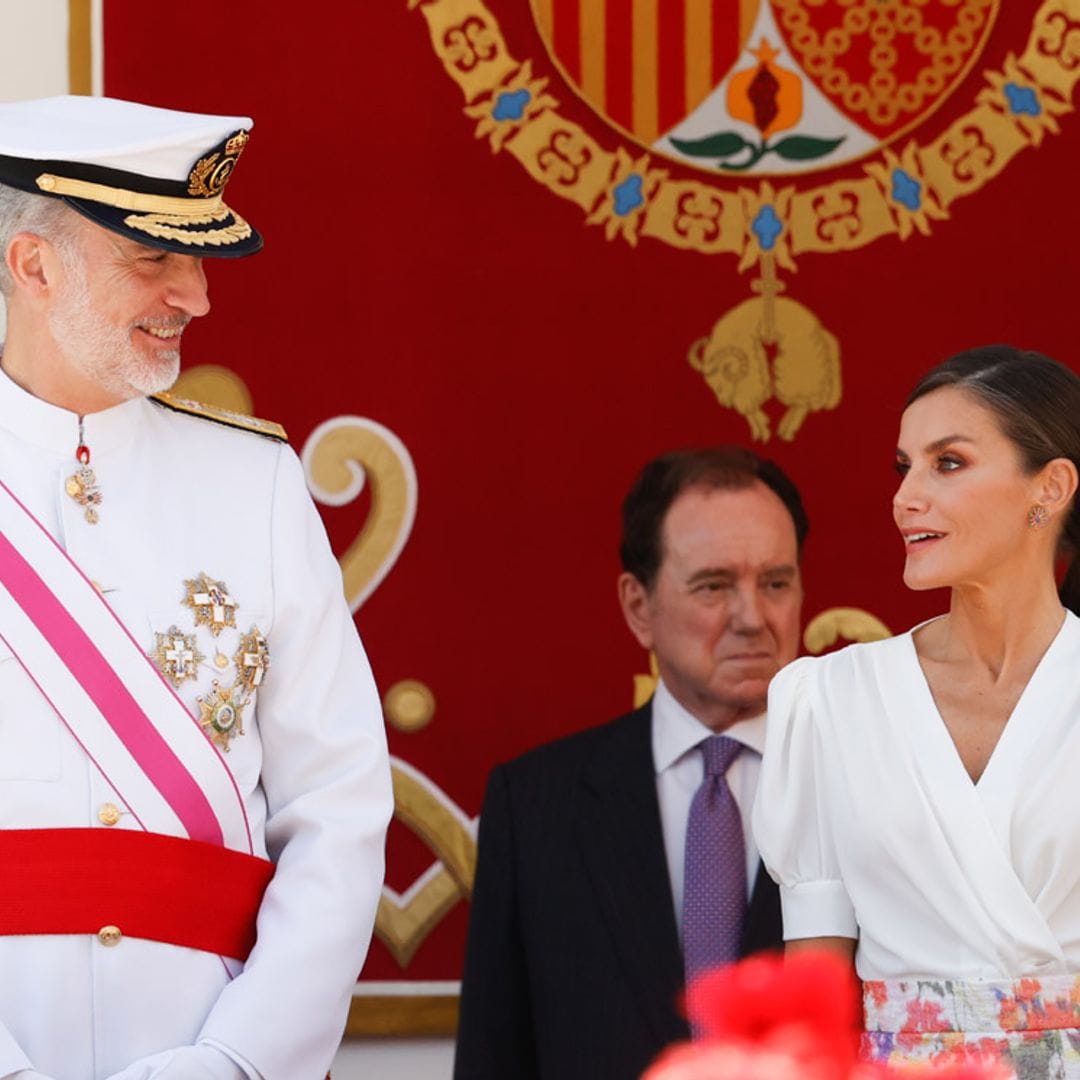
162 888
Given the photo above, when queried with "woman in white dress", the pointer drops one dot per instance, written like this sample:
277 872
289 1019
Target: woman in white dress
919 800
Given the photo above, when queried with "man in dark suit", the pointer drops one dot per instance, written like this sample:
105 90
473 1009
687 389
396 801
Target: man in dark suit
574 965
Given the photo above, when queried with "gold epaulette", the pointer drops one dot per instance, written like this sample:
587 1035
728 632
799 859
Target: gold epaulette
222 416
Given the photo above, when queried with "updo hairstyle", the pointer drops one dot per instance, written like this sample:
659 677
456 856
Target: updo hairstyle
1037 403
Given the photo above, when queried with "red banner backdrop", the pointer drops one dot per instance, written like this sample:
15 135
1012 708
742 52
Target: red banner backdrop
531 341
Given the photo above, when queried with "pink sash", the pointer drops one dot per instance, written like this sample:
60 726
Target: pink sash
102 686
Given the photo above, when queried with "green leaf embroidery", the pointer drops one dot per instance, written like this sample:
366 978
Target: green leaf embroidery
804 148
722 144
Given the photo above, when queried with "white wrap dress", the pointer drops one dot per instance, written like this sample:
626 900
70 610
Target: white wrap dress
964 897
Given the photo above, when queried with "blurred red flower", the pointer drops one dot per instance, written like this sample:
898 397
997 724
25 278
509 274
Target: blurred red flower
789 1018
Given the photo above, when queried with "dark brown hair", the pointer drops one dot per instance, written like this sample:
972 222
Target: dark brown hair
1037 403
662 480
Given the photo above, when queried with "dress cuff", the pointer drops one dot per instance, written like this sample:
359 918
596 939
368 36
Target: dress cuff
817 909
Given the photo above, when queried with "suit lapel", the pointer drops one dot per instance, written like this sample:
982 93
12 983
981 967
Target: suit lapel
622 846
763 928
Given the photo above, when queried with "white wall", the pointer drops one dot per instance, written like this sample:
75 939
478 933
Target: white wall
34 63
33 55
33 49
395 1059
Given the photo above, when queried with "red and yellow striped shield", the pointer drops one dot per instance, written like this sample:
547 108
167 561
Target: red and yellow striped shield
645 64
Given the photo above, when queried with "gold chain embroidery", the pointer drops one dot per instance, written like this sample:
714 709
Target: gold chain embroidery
884 24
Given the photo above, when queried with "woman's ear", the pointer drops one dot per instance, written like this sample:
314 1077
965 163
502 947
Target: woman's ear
1057 484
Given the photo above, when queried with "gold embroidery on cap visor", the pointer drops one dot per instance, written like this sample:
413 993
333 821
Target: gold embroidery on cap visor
165 217
124 199
176 227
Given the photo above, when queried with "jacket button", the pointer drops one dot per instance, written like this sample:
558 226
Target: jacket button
108 814
109 936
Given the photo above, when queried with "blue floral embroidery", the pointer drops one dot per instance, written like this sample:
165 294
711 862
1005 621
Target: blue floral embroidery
767 227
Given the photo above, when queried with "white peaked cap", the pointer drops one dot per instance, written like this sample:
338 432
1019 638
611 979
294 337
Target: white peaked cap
154 175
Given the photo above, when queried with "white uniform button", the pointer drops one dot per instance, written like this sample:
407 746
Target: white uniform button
108 814
109 936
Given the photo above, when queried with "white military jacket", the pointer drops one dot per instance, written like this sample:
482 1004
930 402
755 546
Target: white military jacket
181 497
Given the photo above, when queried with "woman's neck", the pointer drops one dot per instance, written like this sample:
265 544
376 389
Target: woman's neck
1004 629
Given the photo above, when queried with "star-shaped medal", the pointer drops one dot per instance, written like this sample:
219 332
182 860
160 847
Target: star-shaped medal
221 715
211 602
177 655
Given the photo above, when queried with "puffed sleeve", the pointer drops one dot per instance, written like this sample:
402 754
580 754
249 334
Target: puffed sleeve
792 825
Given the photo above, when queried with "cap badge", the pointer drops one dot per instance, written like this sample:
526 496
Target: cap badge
211 602
177 656
210 174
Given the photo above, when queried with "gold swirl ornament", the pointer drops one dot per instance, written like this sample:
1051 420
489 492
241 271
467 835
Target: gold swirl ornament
215 385
342 455
404 920
848 623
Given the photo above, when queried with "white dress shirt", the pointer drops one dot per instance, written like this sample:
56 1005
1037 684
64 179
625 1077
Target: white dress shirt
680 770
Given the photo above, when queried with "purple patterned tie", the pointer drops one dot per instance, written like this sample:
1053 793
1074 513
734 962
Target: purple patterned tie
714 891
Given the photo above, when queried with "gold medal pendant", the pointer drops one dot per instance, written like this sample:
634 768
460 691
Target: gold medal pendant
82 486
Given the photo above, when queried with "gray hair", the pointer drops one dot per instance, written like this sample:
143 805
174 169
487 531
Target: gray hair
23 211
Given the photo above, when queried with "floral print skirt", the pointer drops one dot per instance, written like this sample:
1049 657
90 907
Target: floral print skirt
1030 1024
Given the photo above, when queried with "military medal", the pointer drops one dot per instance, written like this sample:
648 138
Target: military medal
252 660
211 602
177 656
221 711
221 715
82 484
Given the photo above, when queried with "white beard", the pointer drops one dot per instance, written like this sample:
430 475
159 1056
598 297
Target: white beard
100 351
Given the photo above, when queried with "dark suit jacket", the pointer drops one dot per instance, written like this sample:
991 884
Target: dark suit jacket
573 967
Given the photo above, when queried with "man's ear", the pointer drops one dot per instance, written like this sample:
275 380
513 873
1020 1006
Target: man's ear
27 260
636 608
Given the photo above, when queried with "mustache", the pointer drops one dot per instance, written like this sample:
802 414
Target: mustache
162 322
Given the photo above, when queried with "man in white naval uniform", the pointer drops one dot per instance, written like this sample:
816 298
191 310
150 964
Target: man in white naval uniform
201 538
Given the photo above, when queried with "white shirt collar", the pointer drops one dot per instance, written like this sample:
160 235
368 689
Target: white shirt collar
675 731
52 428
